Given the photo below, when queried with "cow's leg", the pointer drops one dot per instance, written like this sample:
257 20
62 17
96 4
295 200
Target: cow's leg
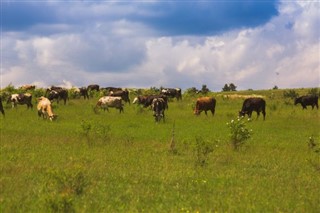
206 112
304 106
264 114
212 111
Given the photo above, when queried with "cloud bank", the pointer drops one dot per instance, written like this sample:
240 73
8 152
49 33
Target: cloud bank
252 44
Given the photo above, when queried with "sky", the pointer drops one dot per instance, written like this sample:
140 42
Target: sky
254 44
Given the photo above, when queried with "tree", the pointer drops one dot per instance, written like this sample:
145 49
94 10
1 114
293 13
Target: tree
230 87
225 88
204 89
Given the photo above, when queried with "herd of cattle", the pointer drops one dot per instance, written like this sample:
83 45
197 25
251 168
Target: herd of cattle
157 102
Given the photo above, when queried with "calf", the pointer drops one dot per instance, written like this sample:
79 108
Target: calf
25 98
45 109
253 104
1 107
205 104
158 106
307 100
109 101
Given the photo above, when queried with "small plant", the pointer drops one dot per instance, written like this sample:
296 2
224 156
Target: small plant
63 188
86 128
102 131
239 133
202 150
315 148
290 94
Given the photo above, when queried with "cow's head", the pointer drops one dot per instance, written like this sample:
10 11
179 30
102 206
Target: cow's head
196 112
53 117
242 113
296 101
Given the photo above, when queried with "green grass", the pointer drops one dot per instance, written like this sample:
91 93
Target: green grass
124 163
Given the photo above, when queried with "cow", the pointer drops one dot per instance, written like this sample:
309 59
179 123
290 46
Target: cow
253 104
109 101
172 93
49 89
58 94
28 87
307 100
82 91
22 98
113 89
158 106
147 100
1 107
124 94
205 104
45 109
95 87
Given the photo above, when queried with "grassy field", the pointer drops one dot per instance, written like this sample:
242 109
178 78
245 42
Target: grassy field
111 162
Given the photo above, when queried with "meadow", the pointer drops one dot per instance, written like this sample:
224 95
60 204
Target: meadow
112 162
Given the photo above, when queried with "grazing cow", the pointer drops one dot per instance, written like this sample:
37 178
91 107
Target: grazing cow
158 106
27 87
25 98
1 107
58 94
112 89
124 94
45 109
109 101
147 100
205 104
95 87
82 91
253 104
306 100
172 93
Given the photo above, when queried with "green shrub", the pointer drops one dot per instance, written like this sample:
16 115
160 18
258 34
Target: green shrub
239 133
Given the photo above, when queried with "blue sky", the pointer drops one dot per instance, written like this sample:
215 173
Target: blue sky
161 43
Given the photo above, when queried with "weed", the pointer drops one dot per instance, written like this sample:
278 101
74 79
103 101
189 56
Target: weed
202 150
62 189
239 133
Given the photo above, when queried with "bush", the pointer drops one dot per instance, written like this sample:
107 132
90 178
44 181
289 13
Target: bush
239 133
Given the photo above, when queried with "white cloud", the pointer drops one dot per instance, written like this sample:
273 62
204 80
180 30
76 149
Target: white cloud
128 54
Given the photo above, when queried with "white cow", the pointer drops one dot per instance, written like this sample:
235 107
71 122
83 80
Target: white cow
110 101
45 109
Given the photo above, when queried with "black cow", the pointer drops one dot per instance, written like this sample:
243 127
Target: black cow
112 89
1 107
172 93
58 94
306 100
124 94
49 89
83 91
253 104
158 106
25 98
146 100
95 87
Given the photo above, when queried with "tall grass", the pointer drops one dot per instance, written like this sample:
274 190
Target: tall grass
127 165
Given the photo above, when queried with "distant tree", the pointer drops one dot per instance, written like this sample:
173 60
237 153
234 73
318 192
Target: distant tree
226 88
230 87
275 87
204 89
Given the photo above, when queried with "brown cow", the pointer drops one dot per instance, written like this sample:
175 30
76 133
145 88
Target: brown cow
205 104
